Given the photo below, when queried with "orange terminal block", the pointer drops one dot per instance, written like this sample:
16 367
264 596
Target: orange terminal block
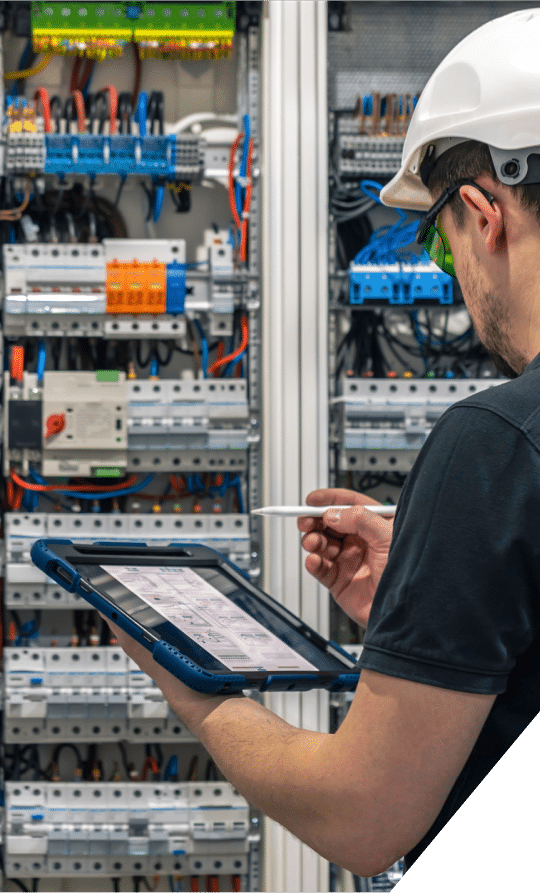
136 287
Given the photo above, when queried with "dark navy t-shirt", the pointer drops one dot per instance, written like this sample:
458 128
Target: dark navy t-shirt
458 605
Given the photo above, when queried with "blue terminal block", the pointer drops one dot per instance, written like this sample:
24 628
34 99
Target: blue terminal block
102 154
399 284
425 282
176 287
374 282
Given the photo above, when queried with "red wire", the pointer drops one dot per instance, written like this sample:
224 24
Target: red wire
17 362
219 354
238 351
86 73
41 94
81 113
75 73
113 107
232 200
247 205
76 488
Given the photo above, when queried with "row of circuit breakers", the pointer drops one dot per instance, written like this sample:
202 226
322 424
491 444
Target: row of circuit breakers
106 288
100 424
198 828
383 423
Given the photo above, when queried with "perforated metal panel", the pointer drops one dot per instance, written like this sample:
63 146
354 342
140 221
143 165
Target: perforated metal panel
393 47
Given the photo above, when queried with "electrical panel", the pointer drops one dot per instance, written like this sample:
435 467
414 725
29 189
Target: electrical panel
131 294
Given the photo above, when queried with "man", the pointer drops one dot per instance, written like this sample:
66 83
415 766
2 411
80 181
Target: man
451 661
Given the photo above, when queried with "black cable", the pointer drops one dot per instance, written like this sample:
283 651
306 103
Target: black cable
19 884
150 196
124 113
102 108
156 111
78 758
123 754
120 190
56 111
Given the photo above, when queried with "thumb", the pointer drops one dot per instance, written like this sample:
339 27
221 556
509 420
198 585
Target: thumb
374 529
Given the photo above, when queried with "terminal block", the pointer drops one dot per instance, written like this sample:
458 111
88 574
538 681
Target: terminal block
164 30
360 155
171 157
383 423
399 284
138 275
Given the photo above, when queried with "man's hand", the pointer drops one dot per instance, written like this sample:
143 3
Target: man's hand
348 550
191 706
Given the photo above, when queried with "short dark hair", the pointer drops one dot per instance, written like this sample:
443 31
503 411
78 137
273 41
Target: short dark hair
469 160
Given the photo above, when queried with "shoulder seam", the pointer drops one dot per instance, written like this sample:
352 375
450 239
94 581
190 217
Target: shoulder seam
470 404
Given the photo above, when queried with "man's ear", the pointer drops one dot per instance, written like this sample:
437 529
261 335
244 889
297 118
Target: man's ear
488 217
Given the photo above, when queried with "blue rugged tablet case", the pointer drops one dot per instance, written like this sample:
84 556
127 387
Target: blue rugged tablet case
192 675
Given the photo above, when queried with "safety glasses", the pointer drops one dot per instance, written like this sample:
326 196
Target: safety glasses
431 234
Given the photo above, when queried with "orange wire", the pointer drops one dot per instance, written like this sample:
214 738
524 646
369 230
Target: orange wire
81 113
42 94
239 349
232 200
219 354
113 107
17 363
75 488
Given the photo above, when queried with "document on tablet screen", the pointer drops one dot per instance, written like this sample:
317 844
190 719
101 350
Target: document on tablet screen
208 617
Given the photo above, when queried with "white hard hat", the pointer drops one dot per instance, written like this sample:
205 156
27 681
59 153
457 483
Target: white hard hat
486 89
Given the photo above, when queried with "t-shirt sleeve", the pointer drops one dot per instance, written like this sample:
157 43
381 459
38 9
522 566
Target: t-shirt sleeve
459 599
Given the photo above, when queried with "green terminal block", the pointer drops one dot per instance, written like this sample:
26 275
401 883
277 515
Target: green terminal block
167 30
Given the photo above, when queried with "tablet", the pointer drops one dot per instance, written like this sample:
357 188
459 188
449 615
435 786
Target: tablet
199 616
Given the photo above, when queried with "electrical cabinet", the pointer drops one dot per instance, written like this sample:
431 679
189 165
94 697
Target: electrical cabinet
130 220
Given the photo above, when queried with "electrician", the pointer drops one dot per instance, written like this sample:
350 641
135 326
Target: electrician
451 662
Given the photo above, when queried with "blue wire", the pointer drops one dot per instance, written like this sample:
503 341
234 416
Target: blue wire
239 190
237 483
171 768
157 204
385 242
154 368
41 360
230 367
136 488
141 113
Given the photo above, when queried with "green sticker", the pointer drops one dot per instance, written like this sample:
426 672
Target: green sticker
107 375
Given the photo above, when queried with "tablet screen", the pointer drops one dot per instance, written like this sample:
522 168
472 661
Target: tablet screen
207 616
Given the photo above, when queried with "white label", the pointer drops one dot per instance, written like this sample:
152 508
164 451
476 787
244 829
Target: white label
208 617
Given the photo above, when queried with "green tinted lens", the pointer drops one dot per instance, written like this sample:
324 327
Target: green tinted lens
436 245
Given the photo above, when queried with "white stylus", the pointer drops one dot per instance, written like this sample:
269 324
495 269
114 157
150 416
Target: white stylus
315 511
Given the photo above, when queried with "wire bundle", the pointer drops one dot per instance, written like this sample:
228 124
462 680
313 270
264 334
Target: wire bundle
387 241
240 189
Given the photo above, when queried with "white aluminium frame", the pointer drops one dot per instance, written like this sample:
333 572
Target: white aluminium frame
294 352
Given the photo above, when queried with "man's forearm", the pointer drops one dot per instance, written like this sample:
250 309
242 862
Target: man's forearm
286 772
